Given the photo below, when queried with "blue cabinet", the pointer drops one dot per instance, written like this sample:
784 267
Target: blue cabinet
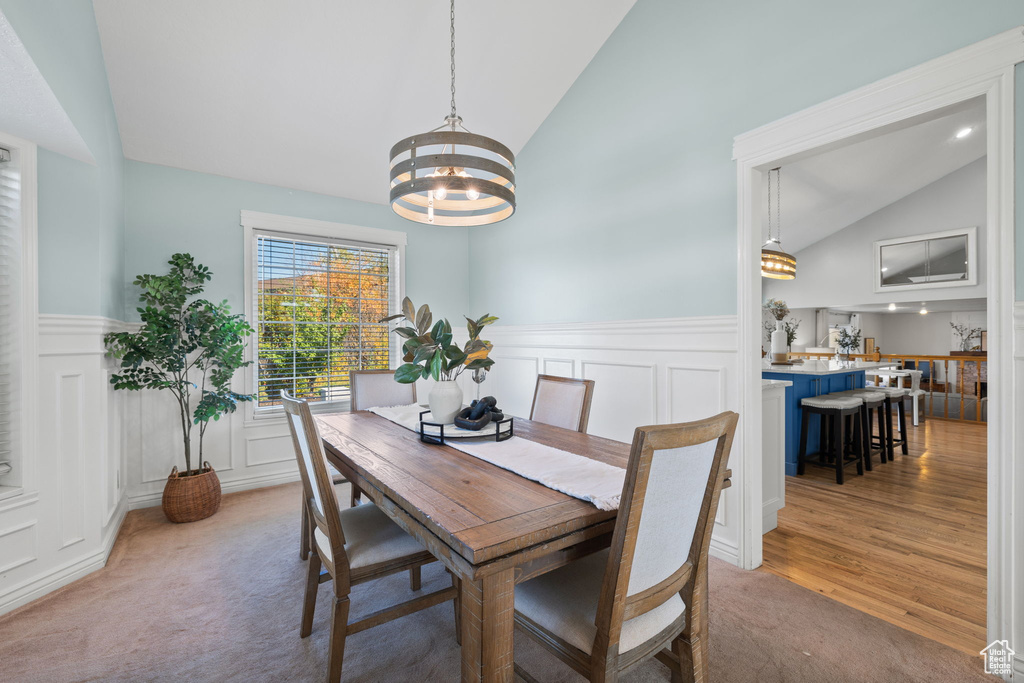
805 385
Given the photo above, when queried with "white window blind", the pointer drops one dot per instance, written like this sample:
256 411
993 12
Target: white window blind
318 306
10 308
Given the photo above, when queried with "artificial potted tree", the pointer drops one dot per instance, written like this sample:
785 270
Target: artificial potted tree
190 347
430 351
847 342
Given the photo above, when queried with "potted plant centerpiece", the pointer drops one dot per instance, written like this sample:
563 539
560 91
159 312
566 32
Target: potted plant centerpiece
847 342
190 347
430 351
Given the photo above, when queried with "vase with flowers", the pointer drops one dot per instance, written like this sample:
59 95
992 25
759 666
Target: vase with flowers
430 351
779 339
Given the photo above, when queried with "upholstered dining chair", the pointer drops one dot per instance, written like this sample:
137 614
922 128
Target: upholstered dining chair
562 402
647 595
367 389
350 546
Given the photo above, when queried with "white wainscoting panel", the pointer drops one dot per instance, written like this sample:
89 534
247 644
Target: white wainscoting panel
610 415
63 523
645 372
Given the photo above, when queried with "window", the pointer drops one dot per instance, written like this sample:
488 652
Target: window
941 259
316 301
10 297
18 319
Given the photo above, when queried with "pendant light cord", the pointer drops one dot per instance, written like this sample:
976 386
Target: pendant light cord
454 114
778 203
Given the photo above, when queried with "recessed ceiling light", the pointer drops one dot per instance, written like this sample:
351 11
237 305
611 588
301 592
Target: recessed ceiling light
964 132
885 269
924 311
892 307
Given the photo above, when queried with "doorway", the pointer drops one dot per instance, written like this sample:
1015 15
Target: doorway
984 70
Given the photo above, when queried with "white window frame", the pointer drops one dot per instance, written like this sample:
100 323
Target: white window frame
25 152
255 223
971 233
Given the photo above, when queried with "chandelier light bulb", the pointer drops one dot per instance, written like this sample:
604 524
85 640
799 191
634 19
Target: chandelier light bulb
440 193
472 194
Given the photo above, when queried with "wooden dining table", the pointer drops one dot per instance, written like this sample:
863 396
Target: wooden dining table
490 527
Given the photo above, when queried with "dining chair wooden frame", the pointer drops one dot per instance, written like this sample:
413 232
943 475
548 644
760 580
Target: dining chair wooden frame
683 645
322 505
588 397
354 404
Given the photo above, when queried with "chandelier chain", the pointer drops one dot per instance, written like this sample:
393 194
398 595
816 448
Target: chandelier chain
454 115
778 204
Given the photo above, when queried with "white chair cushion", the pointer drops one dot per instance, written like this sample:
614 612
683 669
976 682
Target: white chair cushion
559 403
891 392
831 401
371 537
866 395
564 602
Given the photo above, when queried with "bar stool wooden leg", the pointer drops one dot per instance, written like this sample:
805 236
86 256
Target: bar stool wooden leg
865 428
888 431
903 426
802 453
840 443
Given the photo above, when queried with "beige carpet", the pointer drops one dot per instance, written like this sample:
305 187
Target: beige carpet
219 600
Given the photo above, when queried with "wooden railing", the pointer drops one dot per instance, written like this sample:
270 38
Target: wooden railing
970 372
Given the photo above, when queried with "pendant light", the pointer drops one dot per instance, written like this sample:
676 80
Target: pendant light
776 263
449 176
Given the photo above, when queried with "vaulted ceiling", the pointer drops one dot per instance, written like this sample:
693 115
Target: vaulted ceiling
311 94
827 191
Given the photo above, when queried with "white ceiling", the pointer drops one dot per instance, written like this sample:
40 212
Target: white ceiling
30 109
826 192
312 94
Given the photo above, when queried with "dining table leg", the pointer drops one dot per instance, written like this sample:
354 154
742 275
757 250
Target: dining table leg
488 622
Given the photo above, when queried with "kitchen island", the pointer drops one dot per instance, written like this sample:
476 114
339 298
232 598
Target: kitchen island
813 378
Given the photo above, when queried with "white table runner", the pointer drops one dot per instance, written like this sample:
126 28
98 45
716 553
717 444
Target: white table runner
575 475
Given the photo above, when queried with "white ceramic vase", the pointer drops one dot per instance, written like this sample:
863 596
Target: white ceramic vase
780 352
445 401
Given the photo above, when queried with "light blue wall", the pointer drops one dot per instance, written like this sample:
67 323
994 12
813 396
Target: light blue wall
170 210
81 206
627 192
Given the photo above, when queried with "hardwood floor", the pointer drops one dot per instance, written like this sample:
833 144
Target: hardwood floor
905 542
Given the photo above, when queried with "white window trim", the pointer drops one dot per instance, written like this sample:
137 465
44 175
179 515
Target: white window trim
971 233
254 221
27 389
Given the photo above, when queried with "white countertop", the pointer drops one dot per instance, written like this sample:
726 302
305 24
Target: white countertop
769 383
823 367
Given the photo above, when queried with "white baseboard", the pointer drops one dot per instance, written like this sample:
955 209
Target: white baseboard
61 576
724 551
150 499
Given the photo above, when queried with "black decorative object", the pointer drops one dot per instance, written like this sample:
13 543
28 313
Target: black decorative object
497 418
479 414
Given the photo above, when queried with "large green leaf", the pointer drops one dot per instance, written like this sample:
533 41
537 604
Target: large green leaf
407 332
424 353
435 365
423 319
408 310
408 373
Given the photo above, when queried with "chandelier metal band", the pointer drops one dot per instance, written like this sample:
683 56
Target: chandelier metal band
432 183
777 265
425 165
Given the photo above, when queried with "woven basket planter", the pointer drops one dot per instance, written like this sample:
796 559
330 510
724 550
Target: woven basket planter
189 498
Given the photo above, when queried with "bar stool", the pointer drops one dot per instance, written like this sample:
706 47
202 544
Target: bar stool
873 400
834 412
894 396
